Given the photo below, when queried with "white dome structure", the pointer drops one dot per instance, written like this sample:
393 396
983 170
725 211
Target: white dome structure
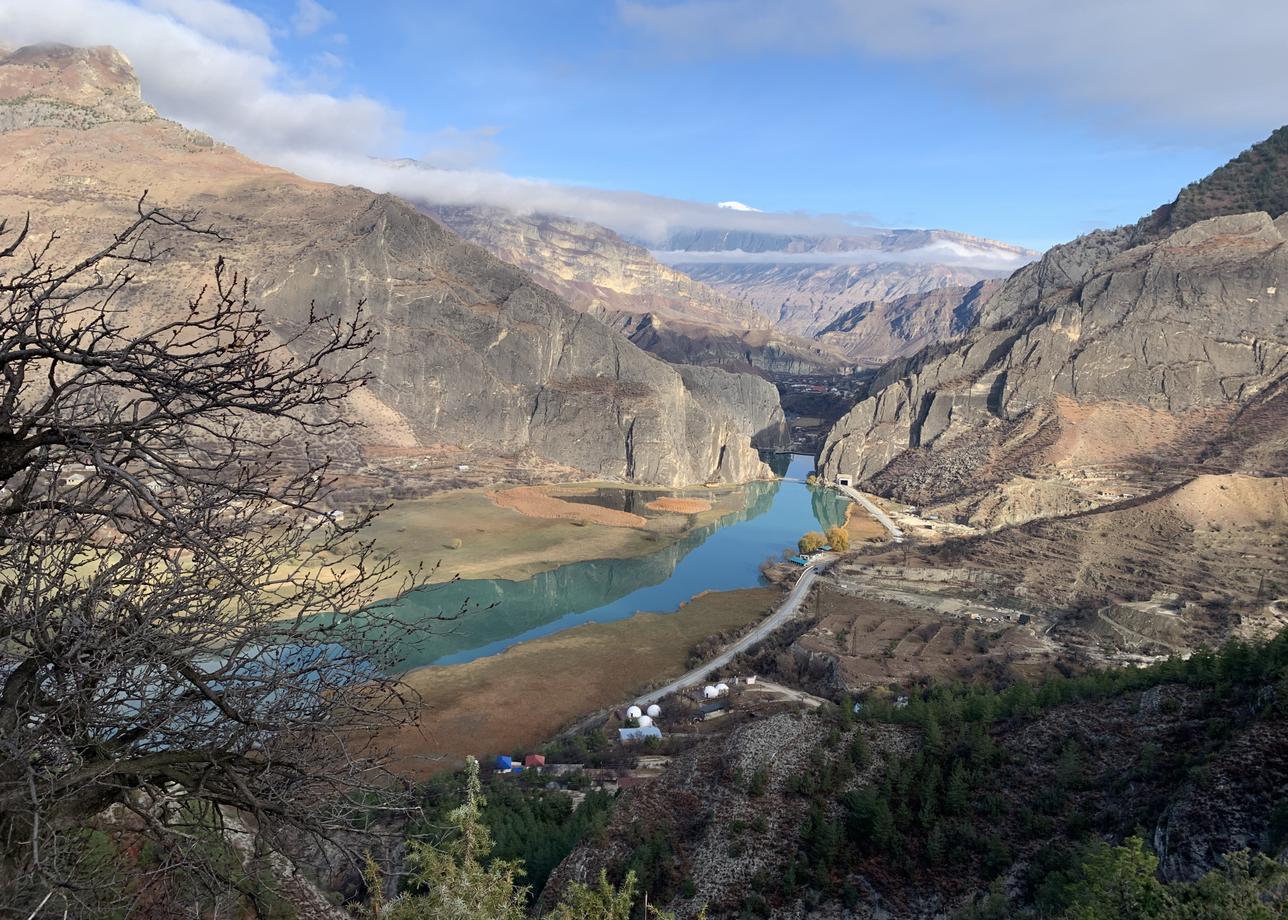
722 689
654 711
634 712
645 721
710 692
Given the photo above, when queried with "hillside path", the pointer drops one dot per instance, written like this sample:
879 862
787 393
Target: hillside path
786 610
872 509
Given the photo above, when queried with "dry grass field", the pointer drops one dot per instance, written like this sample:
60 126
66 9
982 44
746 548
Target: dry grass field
523 696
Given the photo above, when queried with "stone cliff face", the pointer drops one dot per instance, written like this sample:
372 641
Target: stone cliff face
493 362
882 330
593 268
741 402
470 351
752 351
1171 318
679 319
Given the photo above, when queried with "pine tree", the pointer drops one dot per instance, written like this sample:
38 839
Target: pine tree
957 795
450 881
601 901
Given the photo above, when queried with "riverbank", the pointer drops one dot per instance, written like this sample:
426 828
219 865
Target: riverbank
479 533
525 695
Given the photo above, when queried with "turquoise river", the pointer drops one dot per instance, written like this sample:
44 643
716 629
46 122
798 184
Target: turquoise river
721 556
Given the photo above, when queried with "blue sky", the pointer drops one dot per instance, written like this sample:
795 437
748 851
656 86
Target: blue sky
944 116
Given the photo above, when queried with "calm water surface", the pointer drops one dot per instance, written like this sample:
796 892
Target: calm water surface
719 557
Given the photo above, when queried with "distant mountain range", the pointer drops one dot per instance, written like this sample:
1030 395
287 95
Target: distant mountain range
806 284
747 299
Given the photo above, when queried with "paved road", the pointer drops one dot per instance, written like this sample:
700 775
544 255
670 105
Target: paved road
786 610
872 509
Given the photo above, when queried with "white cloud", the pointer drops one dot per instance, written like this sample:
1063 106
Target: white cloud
456 148
1195 63
649 218
1000 260
201 76
219 21
213 67
310 16
736 206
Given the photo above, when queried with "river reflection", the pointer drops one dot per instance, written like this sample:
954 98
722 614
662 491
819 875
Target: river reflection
718 557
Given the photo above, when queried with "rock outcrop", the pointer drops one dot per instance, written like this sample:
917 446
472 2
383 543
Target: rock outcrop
663 310
878 331
1169 317
470 351
749 351
592 267
742 402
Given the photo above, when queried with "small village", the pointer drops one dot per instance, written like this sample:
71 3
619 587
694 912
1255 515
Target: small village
632 745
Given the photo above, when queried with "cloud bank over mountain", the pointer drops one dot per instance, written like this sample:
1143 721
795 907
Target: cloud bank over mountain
215 66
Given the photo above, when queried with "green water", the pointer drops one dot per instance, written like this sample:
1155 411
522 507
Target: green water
719 557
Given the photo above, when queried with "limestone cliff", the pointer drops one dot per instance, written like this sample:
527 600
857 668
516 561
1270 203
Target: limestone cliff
592 267
1172 317
745 350
470 350
663 310
878 331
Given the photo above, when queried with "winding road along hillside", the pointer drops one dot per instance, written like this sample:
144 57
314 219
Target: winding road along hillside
786 610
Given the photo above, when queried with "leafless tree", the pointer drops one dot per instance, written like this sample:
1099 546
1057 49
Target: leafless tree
179 708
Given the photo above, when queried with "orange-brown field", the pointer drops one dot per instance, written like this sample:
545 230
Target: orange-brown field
536 502
861 526
679 505
523 696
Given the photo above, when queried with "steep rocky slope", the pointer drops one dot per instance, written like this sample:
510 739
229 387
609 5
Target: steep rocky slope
878 331
592 267
470 351
1177 319
757 351
620 282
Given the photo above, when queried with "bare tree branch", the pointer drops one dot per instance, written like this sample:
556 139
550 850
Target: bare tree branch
173 650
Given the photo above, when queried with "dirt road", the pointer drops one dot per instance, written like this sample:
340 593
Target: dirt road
872 509
786 610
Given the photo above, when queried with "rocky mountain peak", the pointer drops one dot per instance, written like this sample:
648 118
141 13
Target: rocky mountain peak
54 85
1181 315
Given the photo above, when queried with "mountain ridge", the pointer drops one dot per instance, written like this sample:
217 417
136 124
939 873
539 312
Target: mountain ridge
464 337
1176 319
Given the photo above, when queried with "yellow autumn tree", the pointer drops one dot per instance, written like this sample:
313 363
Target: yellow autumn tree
812 542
